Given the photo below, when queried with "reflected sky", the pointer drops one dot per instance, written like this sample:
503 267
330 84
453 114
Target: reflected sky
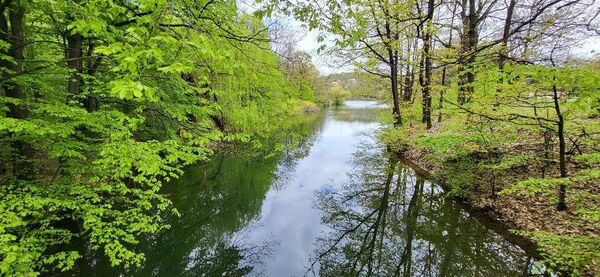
359 104
288 214
336 205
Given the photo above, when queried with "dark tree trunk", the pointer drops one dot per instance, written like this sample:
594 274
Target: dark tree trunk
413 73
407 76
547 144
75 63
428 64
426 101
562 193
75 59
22 152
444 71
470 38
506 33
422 84
394 83
393 63
503 55
421 70
441 100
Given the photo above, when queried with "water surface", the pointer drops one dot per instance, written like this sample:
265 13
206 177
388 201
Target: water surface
336 205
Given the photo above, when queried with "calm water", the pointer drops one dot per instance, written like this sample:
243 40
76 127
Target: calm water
337 205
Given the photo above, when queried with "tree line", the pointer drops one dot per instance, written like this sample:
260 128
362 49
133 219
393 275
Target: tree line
521 42
501 84
104 101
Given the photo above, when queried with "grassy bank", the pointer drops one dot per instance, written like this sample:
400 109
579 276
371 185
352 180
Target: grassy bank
505 171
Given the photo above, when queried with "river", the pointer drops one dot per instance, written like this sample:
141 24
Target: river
336 205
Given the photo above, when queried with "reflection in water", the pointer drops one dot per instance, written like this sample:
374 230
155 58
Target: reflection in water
356 113
336 205
388 221
219 203
215 201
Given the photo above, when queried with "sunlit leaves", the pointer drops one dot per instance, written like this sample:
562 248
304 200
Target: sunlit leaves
167 85
580 252
129 89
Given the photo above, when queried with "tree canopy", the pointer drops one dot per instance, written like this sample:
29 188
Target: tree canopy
104 101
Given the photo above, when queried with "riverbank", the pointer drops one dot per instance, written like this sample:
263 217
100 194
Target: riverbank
509 183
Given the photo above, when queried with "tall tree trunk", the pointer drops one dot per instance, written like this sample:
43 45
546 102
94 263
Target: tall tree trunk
421 69
407 75
422 81
503 55
392 35
428 64
441 100
562 193
413 72
444 71
426 101
75 63
506 33
22 151
394 83
469 39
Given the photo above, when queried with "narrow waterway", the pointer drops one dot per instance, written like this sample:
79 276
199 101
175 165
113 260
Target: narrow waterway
336 205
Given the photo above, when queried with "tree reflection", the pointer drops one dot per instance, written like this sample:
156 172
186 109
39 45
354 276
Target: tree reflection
357 114
217 200
388 221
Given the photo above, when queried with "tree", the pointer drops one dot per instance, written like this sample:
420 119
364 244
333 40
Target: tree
370 36
13 43
296 65
336 95
427 60
105 102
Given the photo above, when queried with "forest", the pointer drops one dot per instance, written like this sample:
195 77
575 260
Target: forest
105 103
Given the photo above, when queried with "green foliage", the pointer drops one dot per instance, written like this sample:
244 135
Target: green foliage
303 107
395 138
448 146
302 74
506 162
543 186
509 128
570 252
335 95
361 85
156 85
459 178
589 158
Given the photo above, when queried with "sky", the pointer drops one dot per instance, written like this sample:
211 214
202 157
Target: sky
309 45
588 47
